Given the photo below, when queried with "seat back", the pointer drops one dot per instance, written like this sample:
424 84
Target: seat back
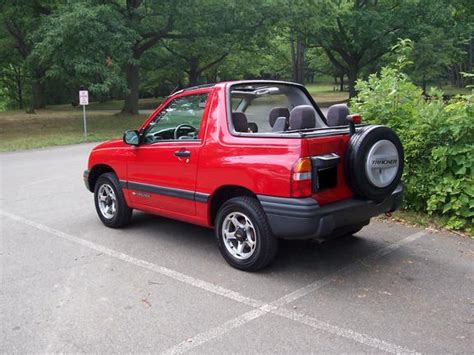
239 120
337 114
302 117
281 124
276 113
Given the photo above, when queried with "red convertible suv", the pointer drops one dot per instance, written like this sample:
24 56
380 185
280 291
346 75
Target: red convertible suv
255 160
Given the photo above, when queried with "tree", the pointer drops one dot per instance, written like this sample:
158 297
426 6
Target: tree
361 32
209 27
223 28
12 72
67 44
20 20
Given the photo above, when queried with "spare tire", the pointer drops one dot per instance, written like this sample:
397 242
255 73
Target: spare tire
374 162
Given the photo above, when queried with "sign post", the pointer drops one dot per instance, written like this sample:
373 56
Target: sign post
84 100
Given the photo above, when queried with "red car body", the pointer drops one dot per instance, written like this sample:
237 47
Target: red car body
222 163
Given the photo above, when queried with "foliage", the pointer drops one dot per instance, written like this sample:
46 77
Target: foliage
67 45
128 49
438 139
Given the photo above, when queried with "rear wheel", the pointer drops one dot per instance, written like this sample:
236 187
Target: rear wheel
110 203
243 234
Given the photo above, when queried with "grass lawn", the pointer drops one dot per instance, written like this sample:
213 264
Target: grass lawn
56 126
453 90
144 104
324 94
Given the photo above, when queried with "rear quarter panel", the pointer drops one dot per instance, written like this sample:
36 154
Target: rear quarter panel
327 145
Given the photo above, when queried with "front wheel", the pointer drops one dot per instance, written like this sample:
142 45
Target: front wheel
110 202
243 234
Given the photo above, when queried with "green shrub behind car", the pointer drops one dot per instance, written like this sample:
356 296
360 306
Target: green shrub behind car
438 138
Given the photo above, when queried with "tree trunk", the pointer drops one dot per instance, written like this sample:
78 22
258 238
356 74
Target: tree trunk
293 57
193 71
299 70
31 108
461 77
39 93
297 59
471 55
19 88
423 85
133 81
351 80
341 83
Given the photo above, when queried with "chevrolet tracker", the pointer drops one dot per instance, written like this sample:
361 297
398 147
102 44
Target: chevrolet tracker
255 160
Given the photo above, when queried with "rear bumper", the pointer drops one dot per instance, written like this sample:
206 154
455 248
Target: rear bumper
303 218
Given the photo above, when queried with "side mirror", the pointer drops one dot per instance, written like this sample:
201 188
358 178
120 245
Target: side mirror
131 137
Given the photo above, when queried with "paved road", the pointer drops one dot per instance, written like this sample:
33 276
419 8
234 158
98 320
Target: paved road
68 284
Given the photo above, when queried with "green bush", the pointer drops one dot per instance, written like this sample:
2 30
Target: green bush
438 139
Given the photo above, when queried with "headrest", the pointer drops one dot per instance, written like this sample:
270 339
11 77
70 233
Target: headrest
281 124
240 122
302 117
337 114
253 127
277 112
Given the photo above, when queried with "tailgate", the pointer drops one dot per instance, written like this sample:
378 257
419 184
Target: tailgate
327 155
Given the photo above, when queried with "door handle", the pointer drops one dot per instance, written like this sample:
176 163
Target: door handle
182 153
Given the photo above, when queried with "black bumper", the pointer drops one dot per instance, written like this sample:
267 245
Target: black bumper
303 218
86 179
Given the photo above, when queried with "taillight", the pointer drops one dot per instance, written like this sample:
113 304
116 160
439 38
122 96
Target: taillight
301 176
356 118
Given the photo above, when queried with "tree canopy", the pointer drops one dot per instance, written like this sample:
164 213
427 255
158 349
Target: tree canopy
138 48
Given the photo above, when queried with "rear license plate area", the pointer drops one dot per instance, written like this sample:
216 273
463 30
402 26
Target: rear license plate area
324 171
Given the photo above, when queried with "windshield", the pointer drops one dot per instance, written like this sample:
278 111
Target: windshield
270 108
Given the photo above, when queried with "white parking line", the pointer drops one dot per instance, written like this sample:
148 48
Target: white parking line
344 333
215 332
261 307
303 291
274 307
204 285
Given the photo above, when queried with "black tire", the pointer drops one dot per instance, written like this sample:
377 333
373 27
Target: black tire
356 158
266 244
123 213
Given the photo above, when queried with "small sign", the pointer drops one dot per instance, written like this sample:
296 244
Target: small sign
83 97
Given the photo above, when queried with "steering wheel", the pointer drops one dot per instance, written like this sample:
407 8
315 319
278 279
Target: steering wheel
181 126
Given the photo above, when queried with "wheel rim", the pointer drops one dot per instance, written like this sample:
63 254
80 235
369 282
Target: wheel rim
239 235
107 201
382 163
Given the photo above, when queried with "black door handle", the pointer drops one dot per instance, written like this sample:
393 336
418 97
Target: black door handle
182 153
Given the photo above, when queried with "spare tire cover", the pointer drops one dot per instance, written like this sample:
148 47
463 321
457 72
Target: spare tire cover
374 162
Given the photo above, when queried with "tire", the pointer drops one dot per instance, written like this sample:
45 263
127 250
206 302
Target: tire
253 229
107 185
363 179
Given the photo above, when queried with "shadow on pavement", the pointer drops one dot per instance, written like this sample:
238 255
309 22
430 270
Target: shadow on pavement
307 258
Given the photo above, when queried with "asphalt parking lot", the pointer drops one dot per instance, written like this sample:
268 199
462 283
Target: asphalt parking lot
69 284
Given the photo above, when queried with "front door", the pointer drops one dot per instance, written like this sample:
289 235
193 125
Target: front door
162 169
